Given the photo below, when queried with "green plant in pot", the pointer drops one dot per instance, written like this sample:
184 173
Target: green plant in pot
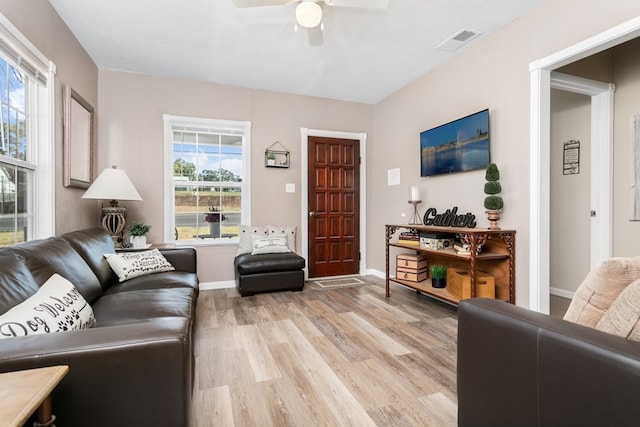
138 232
438 275
271 158
493 203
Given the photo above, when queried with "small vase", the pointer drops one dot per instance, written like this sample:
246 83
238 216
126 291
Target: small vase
214 229
493 217
439 283
138 241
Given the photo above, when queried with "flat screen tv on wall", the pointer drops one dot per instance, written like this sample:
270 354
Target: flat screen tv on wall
458 146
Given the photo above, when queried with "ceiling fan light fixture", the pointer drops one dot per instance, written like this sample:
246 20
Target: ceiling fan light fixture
308 14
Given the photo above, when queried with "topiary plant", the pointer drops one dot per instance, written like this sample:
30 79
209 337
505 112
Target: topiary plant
492 187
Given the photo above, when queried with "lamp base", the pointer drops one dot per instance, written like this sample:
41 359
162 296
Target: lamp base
415 217
113 220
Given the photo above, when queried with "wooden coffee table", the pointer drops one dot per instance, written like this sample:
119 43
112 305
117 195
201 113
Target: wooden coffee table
22 392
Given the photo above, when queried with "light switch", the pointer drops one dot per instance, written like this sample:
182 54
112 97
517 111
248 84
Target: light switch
290 188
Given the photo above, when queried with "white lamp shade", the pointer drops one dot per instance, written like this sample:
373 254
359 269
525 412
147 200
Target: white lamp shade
112 184
308 14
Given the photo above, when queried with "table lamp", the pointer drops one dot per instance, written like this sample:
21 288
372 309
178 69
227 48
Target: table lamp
415 200
113 184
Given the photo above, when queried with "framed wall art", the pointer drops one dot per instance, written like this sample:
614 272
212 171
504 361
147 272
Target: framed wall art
77 139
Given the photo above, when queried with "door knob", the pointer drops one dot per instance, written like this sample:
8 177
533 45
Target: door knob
312 213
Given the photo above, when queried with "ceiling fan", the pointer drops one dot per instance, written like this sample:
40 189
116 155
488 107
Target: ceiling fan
309 12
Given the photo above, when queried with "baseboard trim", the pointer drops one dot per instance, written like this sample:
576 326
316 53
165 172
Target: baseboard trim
376 273
207 286
561 292
225 284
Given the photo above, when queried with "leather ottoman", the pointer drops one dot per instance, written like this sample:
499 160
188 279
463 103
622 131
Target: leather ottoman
269 272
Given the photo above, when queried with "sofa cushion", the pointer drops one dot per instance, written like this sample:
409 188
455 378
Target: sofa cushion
45 257
128 265
623 317
91 244
245 245
169 279
269 245
16 281
57 306
600 288
138 306
288 232
252 264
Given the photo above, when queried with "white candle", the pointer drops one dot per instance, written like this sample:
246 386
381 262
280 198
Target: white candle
414 193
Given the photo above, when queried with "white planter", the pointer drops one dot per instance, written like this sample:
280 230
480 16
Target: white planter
138 241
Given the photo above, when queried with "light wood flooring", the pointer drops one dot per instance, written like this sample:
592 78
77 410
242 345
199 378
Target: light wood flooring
325 357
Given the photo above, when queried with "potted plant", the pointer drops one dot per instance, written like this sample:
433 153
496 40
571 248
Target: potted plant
493 203
214 217
271 158
438 275
138 234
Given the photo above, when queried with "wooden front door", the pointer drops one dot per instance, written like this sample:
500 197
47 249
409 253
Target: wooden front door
334 206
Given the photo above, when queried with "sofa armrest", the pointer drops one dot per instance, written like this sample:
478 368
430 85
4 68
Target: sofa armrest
519 367
182 258
117 374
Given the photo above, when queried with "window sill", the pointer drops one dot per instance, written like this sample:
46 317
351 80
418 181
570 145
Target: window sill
223 241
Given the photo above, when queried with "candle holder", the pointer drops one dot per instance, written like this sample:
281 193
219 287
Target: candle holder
415 217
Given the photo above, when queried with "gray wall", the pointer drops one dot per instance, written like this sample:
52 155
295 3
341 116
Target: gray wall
570 194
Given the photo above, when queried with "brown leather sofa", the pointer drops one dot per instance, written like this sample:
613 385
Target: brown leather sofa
135 367
520 368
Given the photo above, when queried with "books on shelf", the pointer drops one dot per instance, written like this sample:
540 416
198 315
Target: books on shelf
464 248
411 237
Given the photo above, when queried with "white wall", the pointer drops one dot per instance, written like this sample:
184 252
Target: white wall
494 74
131 137
626 69
570 194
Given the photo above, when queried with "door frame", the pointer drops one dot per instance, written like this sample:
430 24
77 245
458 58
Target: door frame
539 200
601 165
305 133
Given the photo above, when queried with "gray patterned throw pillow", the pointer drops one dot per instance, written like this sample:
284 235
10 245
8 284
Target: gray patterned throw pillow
133 264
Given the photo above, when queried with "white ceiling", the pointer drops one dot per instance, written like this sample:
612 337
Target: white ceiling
366 56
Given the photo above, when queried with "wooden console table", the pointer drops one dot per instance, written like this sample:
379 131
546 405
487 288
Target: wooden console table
22 392
497 257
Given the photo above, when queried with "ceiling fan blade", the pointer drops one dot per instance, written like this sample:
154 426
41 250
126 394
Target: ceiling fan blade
363 4
315 36
258 3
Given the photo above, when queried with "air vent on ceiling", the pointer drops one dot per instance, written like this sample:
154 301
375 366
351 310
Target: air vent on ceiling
458 39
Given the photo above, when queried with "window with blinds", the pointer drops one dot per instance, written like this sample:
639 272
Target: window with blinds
207 178
26 142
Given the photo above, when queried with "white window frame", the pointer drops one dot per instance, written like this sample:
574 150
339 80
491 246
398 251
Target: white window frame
41 126
169 190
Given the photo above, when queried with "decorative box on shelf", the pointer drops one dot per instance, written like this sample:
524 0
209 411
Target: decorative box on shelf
436 241
412 268
459 284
